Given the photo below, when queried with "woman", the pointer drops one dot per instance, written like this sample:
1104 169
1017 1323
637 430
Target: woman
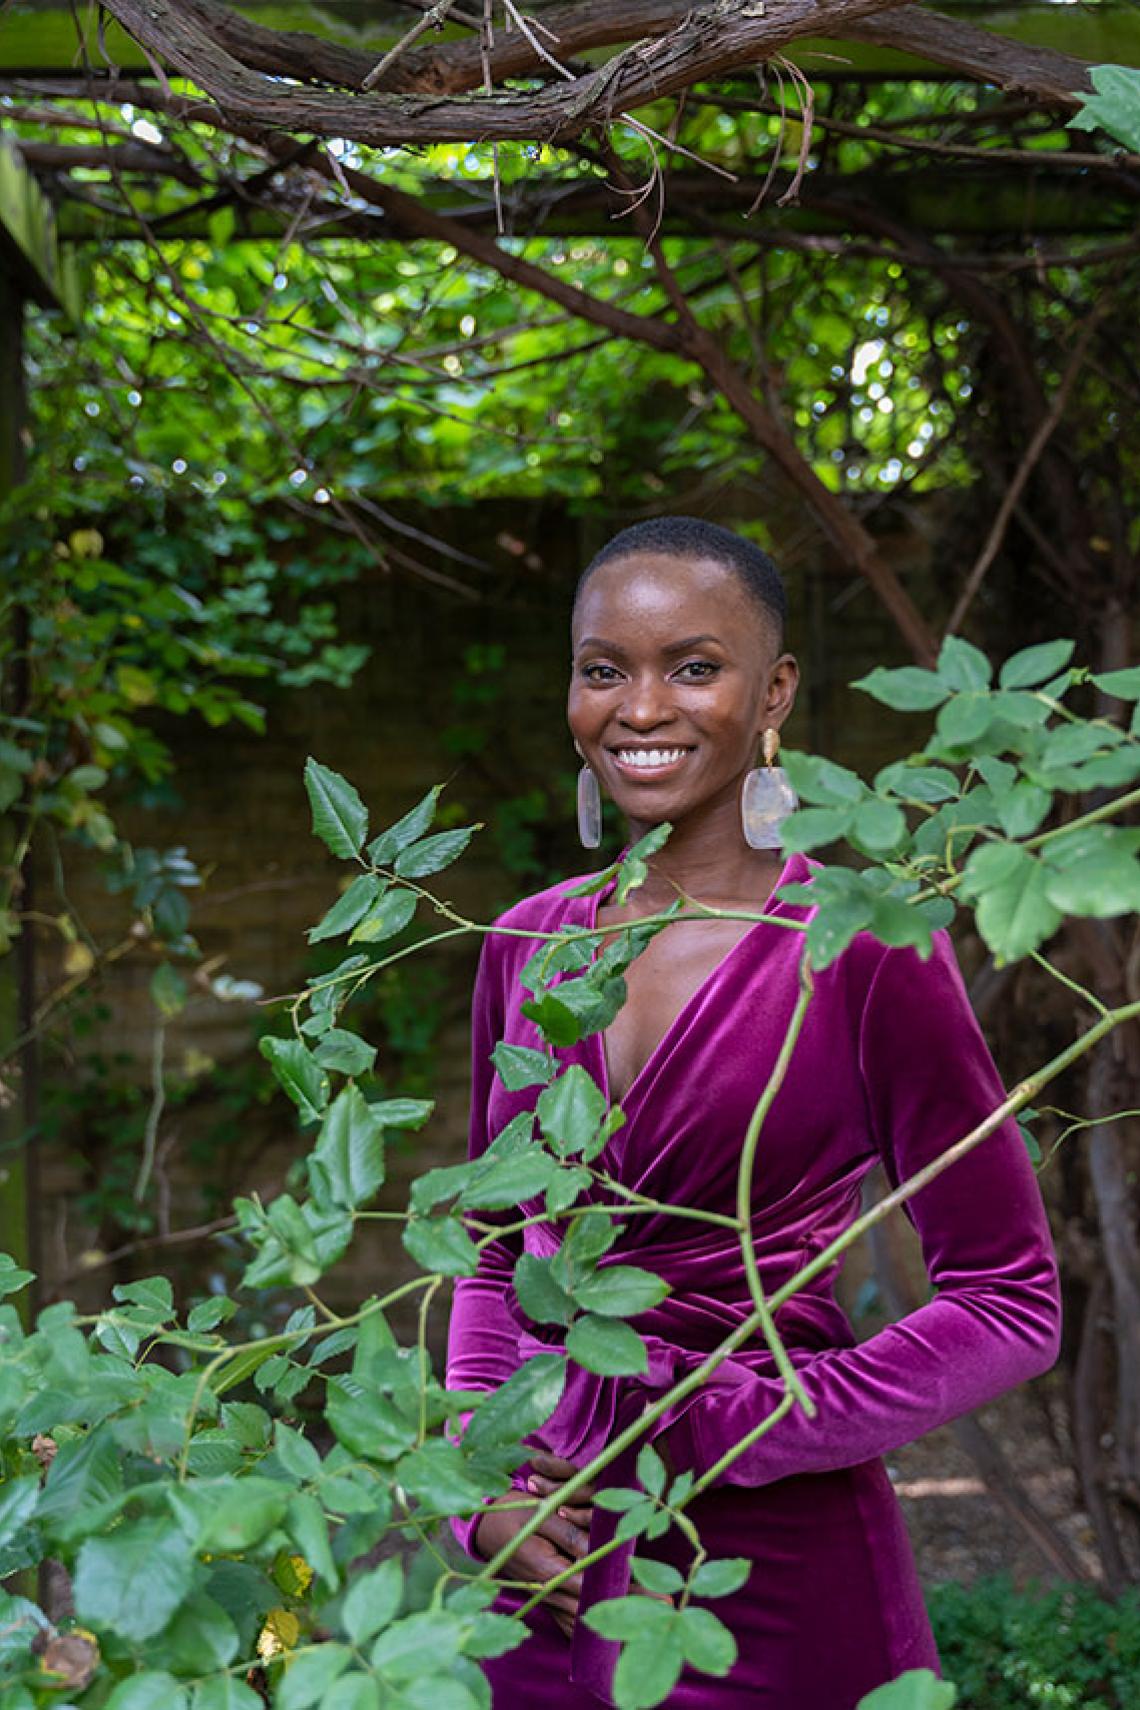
679 670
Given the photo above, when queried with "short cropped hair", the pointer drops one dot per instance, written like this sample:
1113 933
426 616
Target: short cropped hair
694 537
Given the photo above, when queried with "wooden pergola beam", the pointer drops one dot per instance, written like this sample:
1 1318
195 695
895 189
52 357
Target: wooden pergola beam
29 250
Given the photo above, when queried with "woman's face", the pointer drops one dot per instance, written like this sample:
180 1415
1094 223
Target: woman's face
675 677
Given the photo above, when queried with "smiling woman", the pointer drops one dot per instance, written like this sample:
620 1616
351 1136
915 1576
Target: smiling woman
679 676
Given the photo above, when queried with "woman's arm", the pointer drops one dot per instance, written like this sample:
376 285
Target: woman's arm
995 1319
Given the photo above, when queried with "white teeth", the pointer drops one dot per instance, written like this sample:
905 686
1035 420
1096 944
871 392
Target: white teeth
647 758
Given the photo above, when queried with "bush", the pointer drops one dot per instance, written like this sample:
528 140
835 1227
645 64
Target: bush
1061 1647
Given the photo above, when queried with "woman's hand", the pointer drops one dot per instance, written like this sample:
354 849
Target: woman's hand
550 1550
550 1473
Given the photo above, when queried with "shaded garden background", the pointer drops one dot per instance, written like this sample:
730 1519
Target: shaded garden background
324 428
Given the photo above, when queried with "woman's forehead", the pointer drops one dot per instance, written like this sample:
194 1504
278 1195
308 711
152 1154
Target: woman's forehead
666 592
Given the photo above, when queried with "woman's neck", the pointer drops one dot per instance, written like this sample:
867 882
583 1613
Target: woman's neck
708 860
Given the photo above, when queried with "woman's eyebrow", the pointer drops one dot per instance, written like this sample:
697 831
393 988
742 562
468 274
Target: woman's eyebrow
672 647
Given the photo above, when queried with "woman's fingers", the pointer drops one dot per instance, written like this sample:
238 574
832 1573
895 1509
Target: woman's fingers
550 1471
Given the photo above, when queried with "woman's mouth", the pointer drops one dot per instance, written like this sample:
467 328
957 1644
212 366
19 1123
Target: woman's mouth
644 762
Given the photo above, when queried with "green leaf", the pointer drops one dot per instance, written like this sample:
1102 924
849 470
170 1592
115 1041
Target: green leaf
168 990
963 666
433 854
367 1422
878 826
200 1638
1114 107
721 1578
309 1674
373 1601
437 1476
917 1689
964 720
570 1109
1093 871
1125 685
1009 888
918 783
541 1297
1023 808
809 827
17 1499
634 869
153 1689
630 1618
12 1276
388 917
345 1053
620 1291
906 689
296 1454
601 1345
208 1314
441 1244
134 1580
519 1066
347 1164
225 1692
352 906
421 1644
299 1073
225 1516
1033 665
520 1405
651 1470
656 1576
706 1642
340 818
353 1691
406 831
648 1669
816 779
306 1524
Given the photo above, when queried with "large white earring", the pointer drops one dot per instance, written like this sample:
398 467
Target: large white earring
589 807
767 798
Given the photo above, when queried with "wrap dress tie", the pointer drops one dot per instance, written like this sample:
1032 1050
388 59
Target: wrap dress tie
890 1066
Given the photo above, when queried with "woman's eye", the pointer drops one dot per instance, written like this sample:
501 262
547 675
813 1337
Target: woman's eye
599 673
698 669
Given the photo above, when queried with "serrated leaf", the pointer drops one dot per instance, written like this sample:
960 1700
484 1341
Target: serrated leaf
347 1164
520 1405
437 1476
390 915
878 826
441 1244
340 818
435 853
541 1297
706 1642
962 666
1125 685
518 1066
722 1578
345 1053
406 831
309 1674
606 1346
349 908
1113 107
569 1110
150 1689
906 689
1033 665
620 1291
132 1582
917 1689
373 1601
1013 910
648 1669
660 1577
298 1073
810 827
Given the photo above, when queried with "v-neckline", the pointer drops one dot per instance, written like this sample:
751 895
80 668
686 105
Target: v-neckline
770 905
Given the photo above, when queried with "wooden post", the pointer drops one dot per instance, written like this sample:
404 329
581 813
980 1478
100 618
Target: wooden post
31 270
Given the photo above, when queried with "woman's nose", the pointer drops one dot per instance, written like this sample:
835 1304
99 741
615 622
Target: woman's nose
646 704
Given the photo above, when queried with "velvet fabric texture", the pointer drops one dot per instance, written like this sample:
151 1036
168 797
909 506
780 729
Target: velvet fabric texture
890 1064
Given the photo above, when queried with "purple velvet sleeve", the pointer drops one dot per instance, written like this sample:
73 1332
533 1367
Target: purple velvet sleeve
482 1342
995 1318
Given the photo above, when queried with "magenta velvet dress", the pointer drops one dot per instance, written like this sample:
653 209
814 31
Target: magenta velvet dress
890 1065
